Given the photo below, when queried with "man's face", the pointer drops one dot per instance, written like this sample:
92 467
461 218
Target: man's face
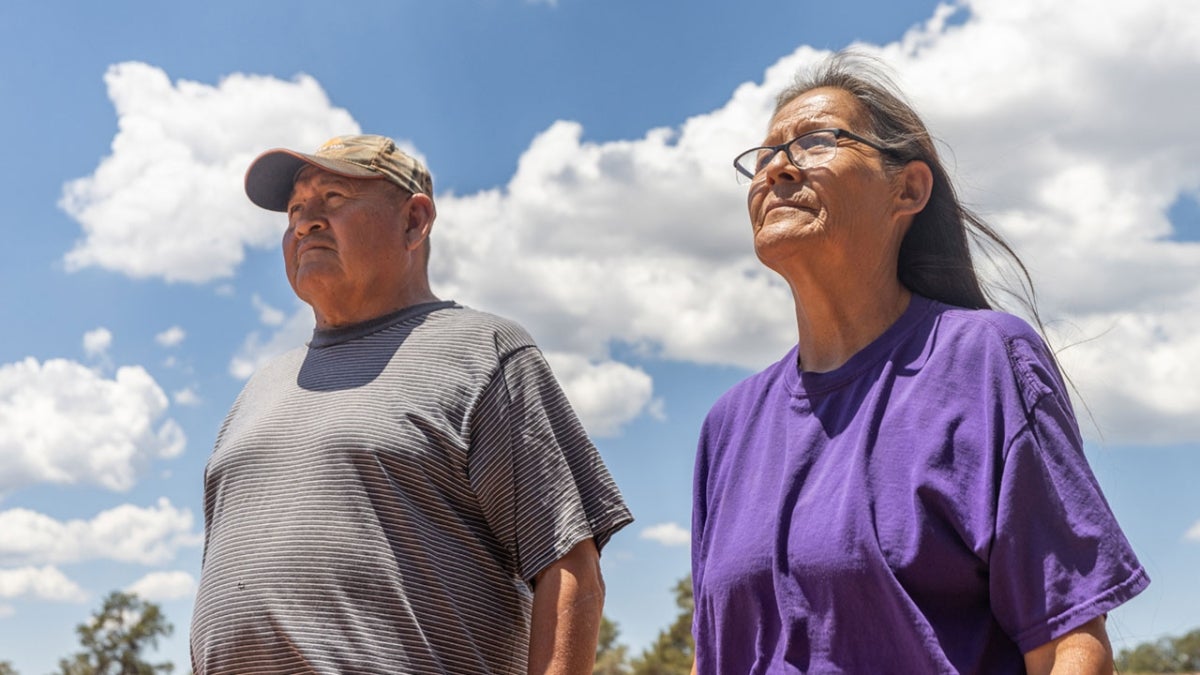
346 249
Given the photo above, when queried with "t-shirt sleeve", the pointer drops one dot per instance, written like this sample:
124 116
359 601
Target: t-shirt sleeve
1059 557
541 483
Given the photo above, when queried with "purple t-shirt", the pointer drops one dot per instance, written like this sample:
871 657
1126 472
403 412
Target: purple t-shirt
926 507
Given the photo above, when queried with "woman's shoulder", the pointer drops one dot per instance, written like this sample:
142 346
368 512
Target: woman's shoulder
983 322
982 336
985 329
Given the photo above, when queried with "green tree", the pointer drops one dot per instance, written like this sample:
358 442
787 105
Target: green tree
1166 655
1187 650
6 668
673 651
1148 657
113 640
611 657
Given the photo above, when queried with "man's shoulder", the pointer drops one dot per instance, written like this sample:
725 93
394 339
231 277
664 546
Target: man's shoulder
466 323
271 367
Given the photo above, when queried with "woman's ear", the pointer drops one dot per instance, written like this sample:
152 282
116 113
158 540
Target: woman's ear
915 186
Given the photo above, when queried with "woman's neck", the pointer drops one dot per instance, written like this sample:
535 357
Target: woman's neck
835 324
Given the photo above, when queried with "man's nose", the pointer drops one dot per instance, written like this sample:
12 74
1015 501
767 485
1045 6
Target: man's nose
307 219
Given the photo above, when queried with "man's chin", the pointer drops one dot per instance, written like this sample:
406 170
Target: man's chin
314 288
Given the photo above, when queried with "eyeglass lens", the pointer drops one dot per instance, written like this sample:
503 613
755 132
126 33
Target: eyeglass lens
805 152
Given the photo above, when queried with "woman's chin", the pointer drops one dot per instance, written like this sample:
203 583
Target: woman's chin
784 235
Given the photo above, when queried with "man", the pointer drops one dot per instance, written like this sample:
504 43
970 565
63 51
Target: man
411 492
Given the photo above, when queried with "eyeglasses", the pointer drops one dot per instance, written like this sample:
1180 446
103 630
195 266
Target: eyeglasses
804 152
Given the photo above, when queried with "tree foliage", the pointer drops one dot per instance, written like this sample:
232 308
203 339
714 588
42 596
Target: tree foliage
6 668
672 653
1168 655
611 657
114 638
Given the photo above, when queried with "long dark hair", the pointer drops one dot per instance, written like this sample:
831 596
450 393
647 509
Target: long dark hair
935 257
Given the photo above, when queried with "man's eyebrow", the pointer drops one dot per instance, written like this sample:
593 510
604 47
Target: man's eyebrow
320 180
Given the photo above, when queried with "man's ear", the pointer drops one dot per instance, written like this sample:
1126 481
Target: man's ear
418 220
915 186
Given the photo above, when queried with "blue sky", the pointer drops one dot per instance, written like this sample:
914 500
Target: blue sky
580 152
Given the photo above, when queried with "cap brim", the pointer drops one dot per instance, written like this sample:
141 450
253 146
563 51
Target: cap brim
271 175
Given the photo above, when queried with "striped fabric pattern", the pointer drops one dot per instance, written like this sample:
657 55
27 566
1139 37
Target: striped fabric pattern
380 501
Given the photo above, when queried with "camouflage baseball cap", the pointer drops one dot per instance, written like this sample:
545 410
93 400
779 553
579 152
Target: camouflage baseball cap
271 175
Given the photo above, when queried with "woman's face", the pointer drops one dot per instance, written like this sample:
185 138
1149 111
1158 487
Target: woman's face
836 214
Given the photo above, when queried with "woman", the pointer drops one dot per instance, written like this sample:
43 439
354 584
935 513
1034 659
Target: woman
906 490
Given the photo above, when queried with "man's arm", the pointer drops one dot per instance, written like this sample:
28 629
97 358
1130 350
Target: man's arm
568 599
1084 650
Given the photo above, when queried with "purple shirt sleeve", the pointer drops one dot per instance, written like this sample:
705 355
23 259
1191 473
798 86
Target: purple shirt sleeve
1059 559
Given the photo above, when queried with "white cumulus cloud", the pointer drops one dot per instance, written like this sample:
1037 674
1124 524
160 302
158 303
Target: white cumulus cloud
267 314
605 395
1193 534
61 422
187 396
667 534
161 586
96 342
42 583
171 337
168 201
127 533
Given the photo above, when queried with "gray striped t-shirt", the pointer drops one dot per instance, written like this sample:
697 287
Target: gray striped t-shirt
380 501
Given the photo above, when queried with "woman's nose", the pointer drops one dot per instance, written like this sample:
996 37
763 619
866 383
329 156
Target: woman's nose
781 169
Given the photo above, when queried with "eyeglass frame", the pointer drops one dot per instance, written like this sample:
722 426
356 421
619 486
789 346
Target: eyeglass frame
785 147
